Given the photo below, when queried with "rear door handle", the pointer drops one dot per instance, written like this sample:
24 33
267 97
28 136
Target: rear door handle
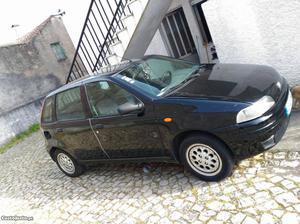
99 126
59 130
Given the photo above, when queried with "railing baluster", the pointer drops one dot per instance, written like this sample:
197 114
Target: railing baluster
77 66
98 26
87 56
97 34
74 74
91 48
82 65
80 38
112 12
104 12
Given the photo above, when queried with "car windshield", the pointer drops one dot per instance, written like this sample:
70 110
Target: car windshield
158 75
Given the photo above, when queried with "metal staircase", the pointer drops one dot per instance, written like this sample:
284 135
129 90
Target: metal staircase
103 20
113 30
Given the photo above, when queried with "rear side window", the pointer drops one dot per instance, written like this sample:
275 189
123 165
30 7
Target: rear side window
47 114
69 105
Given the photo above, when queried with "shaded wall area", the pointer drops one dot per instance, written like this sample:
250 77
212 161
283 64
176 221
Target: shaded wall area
259 32
29 70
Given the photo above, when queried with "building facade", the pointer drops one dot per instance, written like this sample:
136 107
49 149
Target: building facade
257 31
205 31
248 31
29 69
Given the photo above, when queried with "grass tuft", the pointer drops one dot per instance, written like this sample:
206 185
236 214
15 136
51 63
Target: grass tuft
20 137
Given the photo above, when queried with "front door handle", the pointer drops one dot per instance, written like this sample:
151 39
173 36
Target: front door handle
59 130
99 126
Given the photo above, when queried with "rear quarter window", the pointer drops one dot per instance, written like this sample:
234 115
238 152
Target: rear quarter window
47 113
69 105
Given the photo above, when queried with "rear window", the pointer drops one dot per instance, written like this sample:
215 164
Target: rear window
69 105
47 114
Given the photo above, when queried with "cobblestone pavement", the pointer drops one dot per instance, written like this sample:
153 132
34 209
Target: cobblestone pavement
265 189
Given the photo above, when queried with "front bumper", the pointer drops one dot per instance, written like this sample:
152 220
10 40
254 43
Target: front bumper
254 137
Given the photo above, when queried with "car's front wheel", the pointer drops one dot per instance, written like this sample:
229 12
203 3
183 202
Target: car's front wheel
206 157
68 164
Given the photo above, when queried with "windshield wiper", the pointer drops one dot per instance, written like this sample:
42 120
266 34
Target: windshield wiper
193 75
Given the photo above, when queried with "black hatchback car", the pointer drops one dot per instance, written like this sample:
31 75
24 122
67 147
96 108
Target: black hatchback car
206 117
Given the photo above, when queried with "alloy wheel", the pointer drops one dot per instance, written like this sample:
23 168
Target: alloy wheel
66 163
204 159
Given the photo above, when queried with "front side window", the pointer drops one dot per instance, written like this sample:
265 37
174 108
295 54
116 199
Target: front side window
69 105
106 97
156 75
47 113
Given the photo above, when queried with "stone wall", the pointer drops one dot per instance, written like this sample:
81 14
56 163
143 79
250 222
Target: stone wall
257 31
19 119
29 70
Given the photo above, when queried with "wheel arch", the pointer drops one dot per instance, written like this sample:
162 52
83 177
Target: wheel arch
181 136
52 152
54 149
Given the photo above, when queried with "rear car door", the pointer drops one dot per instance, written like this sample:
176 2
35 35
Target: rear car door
72 129
122 136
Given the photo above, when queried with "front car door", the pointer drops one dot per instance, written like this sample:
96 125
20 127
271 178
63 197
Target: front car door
72 130
122 136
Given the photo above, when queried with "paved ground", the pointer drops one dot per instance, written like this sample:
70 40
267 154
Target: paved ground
265 189
291 141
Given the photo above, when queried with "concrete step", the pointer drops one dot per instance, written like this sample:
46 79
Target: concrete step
130 22
144 3
117 48
137 7
124 36
113 59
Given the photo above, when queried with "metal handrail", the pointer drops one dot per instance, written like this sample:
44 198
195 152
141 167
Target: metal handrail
98 33
108 33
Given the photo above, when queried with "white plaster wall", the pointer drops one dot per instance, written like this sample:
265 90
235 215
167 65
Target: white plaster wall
157 45
257 31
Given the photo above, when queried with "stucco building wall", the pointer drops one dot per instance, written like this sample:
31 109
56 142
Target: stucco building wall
257 31
29 70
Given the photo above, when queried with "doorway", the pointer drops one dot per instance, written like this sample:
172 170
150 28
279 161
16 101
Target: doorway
205 32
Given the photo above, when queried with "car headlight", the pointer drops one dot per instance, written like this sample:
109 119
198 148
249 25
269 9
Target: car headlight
255 110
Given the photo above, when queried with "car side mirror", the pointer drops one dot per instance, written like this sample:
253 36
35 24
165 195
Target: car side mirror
128 108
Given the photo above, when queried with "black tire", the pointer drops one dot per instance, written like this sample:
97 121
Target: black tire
197 151
78 168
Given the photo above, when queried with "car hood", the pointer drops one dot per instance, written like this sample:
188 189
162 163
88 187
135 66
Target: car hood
237 82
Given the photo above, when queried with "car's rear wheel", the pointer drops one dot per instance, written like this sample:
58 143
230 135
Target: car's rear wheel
206 157
68 164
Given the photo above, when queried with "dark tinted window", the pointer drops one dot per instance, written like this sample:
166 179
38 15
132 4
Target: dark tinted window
105 98
47 110
69 105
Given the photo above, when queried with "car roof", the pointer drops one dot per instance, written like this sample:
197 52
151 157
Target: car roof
80 82
102 74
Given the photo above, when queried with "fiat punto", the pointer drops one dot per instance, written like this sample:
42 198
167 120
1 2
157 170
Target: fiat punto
159 109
